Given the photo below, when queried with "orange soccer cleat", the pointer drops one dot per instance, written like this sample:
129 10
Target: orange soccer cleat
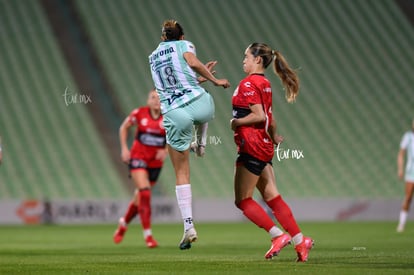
277 244
120 232
303 249
151 242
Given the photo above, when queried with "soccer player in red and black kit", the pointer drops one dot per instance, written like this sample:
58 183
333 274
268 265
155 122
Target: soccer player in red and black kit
145 161
255 136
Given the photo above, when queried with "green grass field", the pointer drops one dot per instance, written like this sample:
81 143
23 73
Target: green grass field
340 248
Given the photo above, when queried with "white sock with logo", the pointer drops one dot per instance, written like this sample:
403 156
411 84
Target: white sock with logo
184 199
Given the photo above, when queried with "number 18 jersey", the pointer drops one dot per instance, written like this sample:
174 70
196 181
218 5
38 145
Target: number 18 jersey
175 81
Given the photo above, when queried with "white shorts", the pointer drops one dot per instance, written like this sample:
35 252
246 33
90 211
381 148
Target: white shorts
178 123
409 174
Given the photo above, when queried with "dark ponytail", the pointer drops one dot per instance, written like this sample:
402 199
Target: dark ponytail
171 30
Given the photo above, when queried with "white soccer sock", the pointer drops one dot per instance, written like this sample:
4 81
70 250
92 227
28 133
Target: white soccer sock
184 199
275 232
298 238
122 222
403 218
147 232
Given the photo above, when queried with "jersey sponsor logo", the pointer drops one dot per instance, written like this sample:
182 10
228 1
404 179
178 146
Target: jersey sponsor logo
251 93
155 65
177 94
152 139
162 53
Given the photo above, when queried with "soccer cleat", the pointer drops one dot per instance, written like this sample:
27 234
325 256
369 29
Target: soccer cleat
277 244
190 236
400 228
151 242
119 233
199 150
303 249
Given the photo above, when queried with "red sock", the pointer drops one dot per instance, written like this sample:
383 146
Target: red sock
254 212
145 208
284 215
131 212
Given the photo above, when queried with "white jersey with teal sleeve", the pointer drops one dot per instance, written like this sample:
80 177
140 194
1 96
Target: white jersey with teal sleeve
407 143
175 81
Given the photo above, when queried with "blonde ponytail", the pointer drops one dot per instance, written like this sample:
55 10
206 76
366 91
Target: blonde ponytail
288 76
281 68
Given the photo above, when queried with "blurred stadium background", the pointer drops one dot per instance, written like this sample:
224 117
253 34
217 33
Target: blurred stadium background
70 71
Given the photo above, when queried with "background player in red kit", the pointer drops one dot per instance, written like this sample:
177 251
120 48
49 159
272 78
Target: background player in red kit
145 161
255 136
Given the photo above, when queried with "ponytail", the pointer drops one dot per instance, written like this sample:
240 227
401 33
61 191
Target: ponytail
288 76
281 68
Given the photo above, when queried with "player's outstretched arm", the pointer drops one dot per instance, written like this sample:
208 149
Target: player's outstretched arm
202 70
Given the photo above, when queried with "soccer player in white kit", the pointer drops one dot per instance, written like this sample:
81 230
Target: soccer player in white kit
184 103
406 148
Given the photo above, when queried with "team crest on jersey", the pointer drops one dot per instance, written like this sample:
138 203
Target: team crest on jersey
144 122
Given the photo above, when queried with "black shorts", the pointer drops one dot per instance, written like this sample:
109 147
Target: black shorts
153 173
251 163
